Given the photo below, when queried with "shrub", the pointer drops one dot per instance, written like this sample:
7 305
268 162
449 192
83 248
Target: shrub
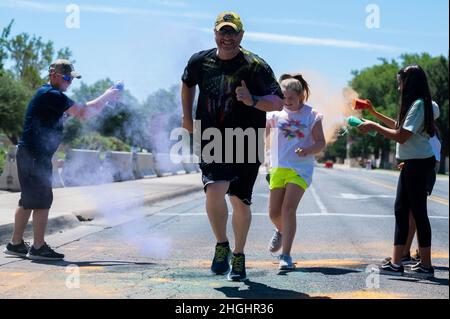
95 141
2 158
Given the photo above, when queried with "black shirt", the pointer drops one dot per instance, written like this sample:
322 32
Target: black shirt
218 79
43 127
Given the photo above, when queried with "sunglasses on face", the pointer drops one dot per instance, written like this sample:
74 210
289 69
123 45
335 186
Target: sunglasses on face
66 78
224 32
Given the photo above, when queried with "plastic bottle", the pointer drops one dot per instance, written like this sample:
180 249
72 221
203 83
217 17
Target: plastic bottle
354 122
119 85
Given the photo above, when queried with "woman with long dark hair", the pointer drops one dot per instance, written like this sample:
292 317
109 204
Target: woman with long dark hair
412 130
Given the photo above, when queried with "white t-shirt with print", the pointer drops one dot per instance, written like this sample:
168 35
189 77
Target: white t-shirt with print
291 130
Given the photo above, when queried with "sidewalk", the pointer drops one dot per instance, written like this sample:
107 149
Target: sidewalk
74 204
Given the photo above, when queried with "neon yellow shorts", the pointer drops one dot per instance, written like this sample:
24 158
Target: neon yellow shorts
280 176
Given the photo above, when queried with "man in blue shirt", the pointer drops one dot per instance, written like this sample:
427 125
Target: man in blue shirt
42 134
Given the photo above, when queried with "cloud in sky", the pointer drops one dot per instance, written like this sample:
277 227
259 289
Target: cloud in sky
300 22
306 41
252 36
170 3
173 4
337 26
30 5
55 7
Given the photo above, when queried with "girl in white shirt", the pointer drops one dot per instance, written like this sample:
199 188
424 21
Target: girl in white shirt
296 135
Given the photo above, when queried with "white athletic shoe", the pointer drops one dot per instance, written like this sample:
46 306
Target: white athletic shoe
275 242
286 263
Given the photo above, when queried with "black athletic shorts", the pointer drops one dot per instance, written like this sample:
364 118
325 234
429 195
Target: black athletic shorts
242 178
35 178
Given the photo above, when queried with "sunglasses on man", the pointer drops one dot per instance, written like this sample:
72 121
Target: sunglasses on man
228 31
66 77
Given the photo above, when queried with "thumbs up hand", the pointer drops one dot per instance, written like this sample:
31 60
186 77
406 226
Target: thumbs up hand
243 94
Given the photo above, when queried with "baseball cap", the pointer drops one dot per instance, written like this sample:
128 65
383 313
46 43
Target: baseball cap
229 18
64 67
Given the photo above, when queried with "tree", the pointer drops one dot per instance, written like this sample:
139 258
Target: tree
337 149
85 92
437 71
14 96
378 83
3 42
123 120
162 110
30 55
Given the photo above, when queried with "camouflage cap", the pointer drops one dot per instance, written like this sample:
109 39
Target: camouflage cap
229 18
64 67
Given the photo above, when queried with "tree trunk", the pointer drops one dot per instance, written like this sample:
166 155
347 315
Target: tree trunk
442 166
385 152
13 138
444 154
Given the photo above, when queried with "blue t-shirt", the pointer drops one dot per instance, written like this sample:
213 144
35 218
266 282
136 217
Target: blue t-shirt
43 127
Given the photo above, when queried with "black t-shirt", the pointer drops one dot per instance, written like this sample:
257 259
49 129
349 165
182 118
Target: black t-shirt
43 127
218 79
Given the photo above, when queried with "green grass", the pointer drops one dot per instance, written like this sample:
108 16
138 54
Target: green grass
2 158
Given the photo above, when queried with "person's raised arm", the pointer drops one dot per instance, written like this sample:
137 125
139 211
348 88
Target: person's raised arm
94 107
399 135
390 123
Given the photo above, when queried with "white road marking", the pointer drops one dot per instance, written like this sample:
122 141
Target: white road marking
319 202
303 215
362 196
434 198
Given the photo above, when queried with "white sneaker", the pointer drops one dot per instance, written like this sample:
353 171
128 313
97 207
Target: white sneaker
286 263
275 242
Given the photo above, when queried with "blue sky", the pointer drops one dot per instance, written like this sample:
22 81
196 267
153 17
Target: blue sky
147 43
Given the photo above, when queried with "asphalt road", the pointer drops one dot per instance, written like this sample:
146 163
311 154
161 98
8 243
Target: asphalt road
345 225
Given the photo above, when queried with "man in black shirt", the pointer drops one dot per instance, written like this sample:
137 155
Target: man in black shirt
237 88
42 134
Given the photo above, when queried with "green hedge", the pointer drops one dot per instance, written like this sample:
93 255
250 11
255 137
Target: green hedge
2 157
95 141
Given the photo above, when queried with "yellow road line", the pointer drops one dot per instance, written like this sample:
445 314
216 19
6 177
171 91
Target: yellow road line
366 294
439 200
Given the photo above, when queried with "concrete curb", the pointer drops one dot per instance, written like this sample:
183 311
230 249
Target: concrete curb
54 225
76 218
89 214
